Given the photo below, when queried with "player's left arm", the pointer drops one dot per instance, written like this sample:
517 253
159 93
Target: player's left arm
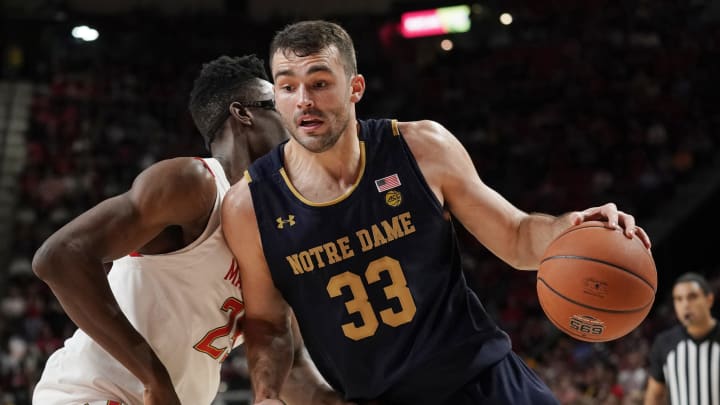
516 237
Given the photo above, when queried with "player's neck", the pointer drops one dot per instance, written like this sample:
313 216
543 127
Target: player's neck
326 176
341 163
700 331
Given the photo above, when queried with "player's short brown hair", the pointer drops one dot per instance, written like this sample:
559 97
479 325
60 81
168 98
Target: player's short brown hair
309 37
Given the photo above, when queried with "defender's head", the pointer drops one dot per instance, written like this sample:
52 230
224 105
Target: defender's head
234 94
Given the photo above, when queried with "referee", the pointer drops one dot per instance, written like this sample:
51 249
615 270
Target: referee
685 360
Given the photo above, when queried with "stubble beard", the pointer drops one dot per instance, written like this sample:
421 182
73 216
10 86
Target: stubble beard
320 143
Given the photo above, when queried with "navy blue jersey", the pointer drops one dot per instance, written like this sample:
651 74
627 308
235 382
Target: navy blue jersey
375 279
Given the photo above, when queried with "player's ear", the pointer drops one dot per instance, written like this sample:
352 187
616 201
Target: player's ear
240 113
357 87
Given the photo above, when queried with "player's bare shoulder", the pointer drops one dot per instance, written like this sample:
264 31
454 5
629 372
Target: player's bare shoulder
237 204
428 130
441 157
430 142
240 227
184 186
426 138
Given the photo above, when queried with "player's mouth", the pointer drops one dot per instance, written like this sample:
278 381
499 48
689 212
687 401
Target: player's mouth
309 123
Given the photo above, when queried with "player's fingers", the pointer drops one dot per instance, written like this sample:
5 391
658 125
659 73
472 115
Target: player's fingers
590 214
643 236
628 222
576 218
606 212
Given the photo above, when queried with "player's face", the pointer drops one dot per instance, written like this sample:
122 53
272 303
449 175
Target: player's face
315 96
692 306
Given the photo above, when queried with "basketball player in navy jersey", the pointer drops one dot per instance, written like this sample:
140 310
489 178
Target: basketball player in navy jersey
349 223
156 329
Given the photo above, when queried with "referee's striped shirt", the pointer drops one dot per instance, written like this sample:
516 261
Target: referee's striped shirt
689 368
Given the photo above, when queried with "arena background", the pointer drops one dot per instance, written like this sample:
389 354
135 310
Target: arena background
572 105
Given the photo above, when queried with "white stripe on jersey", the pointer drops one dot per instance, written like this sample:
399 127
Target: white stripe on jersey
692 372
715 373
672 378
704 359
682 372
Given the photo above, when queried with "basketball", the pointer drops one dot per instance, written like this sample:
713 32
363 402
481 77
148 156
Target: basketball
595 284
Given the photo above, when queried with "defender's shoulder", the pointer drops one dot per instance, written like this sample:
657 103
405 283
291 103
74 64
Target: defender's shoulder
181 171
187 184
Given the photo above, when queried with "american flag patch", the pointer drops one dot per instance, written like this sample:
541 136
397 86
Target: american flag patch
387 183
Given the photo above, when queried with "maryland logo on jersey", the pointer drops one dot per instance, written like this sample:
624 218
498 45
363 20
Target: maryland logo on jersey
281 222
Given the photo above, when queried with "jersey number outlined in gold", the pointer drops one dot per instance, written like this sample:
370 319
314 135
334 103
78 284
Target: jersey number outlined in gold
361 305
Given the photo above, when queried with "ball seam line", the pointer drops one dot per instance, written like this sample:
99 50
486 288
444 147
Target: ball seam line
578 257
613 311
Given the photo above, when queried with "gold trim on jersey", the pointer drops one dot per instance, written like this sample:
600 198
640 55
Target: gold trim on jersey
333 201
394 124
247 176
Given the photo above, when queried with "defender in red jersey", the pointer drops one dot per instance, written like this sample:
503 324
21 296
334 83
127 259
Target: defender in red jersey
156 329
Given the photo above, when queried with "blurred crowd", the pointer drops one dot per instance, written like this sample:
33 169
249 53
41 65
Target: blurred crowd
572 106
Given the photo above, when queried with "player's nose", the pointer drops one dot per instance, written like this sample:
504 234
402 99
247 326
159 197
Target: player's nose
304 99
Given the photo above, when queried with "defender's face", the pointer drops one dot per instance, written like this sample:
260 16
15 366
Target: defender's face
314 96
692 306
268 129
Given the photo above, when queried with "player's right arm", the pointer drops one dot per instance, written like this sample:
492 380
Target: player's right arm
71 260
267 324
516 237
655 393
305 384
279 363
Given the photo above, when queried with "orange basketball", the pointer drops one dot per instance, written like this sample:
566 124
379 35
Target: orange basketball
595 284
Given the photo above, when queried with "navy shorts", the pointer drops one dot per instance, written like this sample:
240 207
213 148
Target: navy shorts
509 382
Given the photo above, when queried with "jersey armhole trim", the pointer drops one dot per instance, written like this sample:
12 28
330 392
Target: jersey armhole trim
206 165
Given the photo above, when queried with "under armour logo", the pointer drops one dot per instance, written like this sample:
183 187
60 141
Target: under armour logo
281 222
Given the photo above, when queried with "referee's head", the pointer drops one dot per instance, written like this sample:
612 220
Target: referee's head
693 300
